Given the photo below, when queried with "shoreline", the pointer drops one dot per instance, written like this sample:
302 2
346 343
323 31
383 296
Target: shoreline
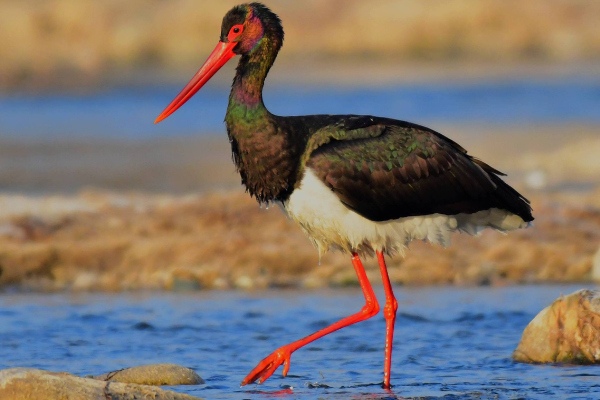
107 242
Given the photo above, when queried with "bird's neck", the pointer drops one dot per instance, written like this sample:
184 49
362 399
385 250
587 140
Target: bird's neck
246 107
262 150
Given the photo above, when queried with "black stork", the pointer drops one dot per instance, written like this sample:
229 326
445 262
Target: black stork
361 184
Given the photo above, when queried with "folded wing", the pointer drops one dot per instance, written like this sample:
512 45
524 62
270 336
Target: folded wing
385 169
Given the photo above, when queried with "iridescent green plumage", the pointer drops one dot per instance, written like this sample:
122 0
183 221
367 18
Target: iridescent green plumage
381 168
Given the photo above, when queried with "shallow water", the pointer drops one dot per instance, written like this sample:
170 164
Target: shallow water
129 113
451 343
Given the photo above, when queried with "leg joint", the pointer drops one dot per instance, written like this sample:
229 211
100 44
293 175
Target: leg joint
390 309
371 308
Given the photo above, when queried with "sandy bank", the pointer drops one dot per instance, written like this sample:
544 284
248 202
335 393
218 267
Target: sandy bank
117 241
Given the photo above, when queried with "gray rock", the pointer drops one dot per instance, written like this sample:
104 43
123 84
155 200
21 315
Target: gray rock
154 374
35 384
566 331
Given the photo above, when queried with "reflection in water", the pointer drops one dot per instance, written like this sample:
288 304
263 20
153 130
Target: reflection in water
451 342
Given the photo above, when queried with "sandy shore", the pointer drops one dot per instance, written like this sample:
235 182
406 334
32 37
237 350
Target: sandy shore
117 241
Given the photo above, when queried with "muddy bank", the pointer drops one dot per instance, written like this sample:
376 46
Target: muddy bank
117 241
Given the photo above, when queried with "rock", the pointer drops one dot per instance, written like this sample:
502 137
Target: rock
566 331
154 374
35 384
596 266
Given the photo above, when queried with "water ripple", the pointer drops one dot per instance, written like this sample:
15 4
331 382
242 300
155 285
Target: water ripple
450 343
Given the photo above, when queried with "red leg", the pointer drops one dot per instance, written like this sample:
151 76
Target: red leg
389 311
267 367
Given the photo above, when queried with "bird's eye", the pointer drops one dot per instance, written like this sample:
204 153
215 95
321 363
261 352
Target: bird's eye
234 32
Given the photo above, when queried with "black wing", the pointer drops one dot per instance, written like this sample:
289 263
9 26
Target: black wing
386 169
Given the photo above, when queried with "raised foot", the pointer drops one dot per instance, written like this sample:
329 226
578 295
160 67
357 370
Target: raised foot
267 367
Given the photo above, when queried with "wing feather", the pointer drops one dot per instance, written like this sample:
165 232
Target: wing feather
386 169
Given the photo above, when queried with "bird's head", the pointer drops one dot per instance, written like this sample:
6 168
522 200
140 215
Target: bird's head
245 28
249 25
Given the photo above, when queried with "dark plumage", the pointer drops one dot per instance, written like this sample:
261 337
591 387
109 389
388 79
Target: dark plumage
362 184
404 170
381 168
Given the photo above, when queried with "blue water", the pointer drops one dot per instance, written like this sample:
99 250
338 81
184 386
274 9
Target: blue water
129 113
451 343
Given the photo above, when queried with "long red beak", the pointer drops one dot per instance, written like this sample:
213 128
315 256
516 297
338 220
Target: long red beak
220 55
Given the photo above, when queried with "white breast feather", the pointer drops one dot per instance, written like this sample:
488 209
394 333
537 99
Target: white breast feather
330 224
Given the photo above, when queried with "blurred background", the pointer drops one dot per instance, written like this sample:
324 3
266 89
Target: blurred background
96 197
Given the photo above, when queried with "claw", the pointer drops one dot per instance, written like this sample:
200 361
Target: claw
286 366
269 365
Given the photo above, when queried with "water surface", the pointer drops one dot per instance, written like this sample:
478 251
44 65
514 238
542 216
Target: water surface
451 343
129 112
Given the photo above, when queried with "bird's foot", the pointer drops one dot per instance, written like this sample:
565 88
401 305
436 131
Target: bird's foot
267 367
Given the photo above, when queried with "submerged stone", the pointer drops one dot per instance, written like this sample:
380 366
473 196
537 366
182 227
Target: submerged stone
36 384
154 374
566 331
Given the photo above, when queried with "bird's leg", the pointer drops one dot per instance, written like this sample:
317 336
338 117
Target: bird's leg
267 367
389 312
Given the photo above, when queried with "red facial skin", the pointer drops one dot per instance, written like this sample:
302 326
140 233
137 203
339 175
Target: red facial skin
235 32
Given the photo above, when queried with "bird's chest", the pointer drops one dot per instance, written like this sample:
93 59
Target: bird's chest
265 162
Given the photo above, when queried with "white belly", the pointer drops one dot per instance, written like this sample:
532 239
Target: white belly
330 224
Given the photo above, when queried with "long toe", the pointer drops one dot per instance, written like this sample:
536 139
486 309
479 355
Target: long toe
268 366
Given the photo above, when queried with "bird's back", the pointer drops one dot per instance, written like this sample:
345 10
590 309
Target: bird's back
386 171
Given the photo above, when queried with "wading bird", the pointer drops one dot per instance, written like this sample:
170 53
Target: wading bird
361 184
